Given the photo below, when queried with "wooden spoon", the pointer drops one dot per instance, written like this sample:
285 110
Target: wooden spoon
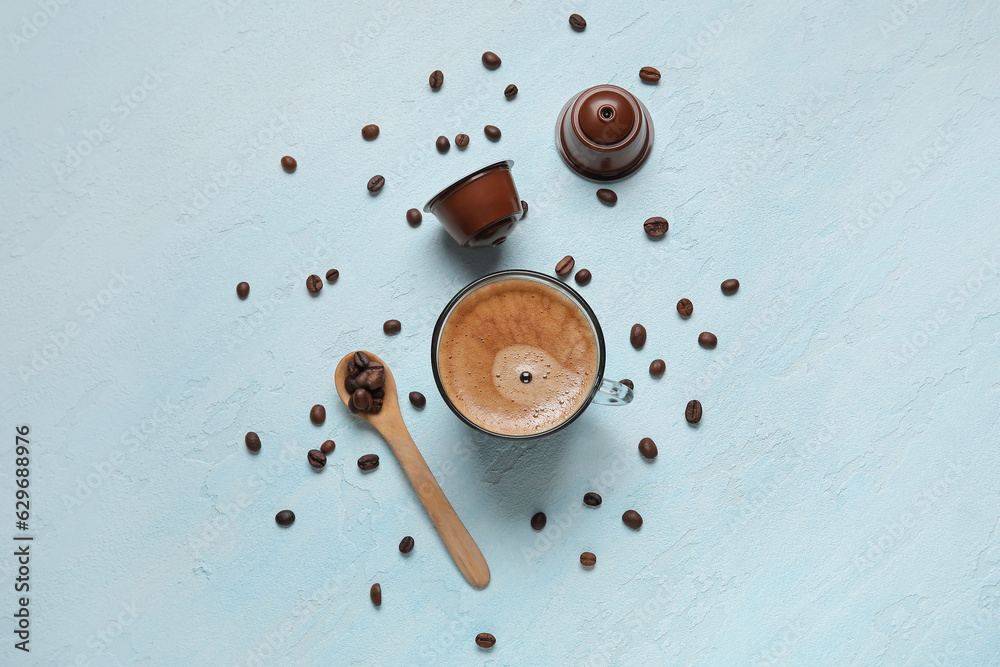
389 422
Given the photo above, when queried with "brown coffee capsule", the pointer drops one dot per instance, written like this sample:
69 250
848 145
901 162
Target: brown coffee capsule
481 209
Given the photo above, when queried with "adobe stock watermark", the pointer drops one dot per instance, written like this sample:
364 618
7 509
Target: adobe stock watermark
776 650
696 47
100 641
364 36
31 24
56 343
121 108
954 301
201 196
900 15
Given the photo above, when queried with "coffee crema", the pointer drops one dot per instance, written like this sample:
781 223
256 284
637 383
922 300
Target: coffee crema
517 357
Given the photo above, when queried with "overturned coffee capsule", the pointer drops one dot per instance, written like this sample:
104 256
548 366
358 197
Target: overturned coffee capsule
481 209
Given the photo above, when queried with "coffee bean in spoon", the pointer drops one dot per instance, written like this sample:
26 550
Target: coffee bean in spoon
368 462
632 519
708 340
392 327
647 448
417 399
443 145
730 287
538 521
314 284
491 60
362 399
317 415
376 183
289 164
243 290
577 22
413 217
510 92
583 277
317 459
565 265
369 132
406 545
685 308
328 446
252 441
492 132
461 140
436 79
637 336
285 517
608 197
592 499
361 360
692 413
376 595
657 368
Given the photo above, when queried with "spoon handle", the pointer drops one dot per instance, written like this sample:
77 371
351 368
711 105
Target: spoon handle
456 537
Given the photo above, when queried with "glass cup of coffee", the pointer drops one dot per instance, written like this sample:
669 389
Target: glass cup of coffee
518 354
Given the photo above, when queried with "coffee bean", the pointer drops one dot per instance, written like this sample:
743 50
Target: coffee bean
285 517
588 559
317 459
649 74
707 340
375 183
730 287
328 446
510 92
637 336
417 399
317 415
492 132
361 360
577 22
565 265
414 217
657 367
253 441
692 413
461 140
628 383
436 79
538 521
647 448
583 277
369 132
368 462
376 595
485 640
392 327
243 290
592 499
314 284
289 164
524 209
656 227
371 378
632 519
443 145
491 60
607 196
406 545
685 307
332 275
362 399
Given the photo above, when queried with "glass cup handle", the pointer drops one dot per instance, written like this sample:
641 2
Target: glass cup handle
612 393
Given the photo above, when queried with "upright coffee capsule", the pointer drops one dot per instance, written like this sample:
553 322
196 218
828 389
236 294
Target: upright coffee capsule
481 209
604 133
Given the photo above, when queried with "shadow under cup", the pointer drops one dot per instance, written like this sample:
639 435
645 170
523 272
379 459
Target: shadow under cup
506 328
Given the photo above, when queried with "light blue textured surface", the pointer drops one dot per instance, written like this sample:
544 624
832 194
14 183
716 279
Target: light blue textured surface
838 503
